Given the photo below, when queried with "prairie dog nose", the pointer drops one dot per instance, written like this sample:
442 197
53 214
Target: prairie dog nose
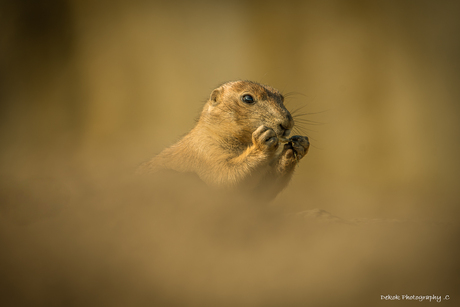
287 123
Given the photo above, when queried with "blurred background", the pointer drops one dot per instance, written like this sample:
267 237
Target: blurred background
91 89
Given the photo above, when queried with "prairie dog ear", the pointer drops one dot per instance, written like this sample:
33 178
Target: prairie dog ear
215 96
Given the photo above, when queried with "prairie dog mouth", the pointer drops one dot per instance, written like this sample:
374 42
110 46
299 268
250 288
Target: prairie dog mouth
283 140
284 137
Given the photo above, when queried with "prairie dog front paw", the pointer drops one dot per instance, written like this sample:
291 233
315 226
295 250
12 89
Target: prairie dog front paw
300 145
265 139
293 151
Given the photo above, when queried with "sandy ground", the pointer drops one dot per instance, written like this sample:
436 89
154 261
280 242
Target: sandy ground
165 242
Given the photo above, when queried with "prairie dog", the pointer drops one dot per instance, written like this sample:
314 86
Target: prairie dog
236 142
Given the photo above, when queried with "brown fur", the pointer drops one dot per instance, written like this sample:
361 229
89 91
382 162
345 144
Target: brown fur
236 145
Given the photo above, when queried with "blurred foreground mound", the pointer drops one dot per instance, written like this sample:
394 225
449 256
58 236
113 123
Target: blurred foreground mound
169 241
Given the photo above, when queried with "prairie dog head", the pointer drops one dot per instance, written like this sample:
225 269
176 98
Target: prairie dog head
236 109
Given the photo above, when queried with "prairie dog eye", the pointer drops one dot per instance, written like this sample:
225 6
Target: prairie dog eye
248 99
